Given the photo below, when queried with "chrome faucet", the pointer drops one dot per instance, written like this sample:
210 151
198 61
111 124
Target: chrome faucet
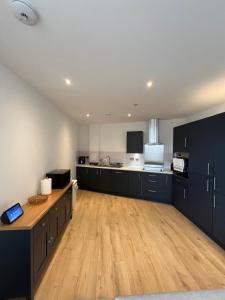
109 160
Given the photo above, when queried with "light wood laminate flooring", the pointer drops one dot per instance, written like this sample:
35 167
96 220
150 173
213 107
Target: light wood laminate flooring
120 246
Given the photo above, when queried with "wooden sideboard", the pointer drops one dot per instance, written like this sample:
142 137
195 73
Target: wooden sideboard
27 245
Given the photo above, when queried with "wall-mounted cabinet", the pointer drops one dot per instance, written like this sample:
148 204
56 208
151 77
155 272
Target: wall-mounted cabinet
181 138
135 142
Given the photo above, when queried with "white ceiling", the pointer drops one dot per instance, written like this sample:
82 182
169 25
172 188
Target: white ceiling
111 48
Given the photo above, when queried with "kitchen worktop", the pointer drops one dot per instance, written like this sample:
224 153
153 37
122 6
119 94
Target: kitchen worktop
125 168
34 212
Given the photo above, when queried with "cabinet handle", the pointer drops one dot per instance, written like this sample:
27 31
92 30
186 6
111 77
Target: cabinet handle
152 180
152 175
208 168
185 142
214 183
118 172
49 241
56 208
43 224
151 191
207 185
214 201
184 193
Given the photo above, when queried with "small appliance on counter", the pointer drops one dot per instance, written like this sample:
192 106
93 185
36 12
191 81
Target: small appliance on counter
60 178
12 214
82 160
180 164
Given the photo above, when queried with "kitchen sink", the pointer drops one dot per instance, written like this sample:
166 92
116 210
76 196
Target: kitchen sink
111 165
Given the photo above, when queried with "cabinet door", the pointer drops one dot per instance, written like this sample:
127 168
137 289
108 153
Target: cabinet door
104 180
201 145
120 182
53 226
219 153
135 188
135 142
68 197
180 195
200 201
181 138
40 250
62 214
218 218
94 178
83 179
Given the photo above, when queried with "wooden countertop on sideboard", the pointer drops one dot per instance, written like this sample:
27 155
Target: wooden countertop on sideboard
34 212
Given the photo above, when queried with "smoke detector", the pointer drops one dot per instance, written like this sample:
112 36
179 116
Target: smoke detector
24 12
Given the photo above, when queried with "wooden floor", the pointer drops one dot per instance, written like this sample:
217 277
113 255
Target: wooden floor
120 246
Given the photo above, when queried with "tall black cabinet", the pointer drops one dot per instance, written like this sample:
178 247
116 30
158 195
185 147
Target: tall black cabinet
206 183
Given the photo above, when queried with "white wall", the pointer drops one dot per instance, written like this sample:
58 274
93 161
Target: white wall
111 139
206 113
35 138
83 138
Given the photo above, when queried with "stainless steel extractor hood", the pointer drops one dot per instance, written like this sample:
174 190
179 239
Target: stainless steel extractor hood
153 132
153 150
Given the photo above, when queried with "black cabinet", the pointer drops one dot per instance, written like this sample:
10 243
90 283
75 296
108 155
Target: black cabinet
201 147
181 138
218 148
48 230
25 253
180 194
135 185
120 182
62 214
150 186
157 187
135 142
218 218
69 205
200 201
104 180
41 248
83 177
206 189
94 178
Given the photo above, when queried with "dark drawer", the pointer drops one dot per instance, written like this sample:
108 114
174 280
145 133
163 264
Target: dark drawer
153 176
152 183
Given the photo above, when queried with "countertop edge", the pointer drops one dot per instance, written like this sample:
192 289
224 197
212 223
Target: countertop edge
30 225
132 169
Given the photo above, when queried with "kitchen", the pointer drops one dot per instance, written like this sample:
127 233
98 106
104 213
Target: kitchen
125 99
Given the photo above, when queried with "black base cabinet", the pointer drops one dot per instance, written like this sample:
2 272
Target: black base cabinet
180 194
143 185
25 254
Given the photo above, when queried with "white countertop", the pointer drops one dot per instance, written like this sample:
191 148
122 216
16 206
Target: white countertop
126 168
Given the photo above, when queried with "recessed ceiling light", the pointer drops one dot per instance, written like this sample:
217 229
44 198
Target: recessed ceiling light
129 115
88 115
149 84
67 81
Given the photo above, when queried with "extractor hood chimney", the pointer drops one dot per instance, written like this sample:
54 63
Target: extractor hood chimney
153 132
